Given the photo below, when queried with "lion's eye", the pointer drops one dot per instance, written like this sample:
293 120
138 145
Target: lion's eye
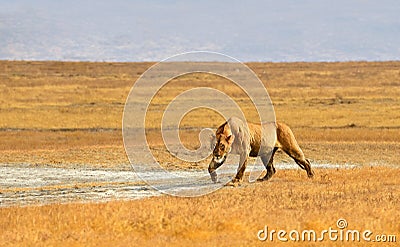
222 146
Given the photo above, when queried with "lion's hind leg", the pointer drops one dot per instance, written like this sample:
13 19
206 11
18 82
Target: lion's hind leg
300 160
290 146
305 164
269 165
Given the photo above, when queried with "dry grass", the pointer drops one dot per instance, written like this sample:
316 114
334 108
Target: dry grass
368 198
53 109
64 114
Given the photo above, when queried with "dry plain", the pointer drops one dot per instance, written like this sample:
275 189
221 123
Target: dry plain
68 115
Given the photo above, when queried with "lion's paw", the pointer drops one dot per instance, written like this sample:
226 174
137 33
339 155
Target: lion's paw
234 182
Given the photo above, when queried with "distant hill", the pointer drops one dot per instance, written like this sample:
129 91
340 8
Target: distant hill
153 30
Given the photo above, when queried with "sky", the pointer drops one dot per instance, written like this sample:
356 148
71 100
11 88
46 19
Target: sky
252 30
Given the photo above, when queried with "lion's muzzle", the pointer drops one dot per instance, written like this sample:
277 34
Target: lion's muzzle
219 160
216 162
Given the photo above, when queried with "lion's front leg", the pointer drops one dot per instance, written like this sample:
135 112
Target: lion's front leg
241 168
240 172
211 169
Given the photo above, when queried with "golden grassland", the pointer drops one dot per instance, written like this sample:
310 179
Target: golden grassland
69 114
368 198
61 113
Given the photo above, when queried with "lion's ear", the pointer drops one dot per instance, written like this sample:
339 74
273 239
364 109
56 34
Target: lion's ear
223 129
230 139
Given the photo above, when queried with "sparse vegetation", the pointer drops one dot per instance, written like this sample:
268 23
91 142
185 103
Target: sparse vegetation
60 113
368 198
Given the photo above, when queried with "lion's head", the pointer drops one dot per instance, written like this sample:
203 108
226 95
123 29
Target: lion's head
224 141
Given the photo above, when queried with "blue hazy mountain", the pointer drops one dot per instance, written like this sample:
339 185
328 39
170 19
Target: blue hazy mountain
288 30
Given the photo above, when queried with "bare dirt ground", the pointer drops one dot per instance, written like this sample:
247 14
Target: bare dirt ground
57 115
25 185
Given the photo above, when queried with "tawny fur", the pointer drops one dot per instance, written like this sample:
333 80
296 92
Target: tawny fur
235 136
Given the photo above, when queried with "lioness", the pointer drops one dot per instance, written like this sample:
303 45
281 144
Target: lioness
235 137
